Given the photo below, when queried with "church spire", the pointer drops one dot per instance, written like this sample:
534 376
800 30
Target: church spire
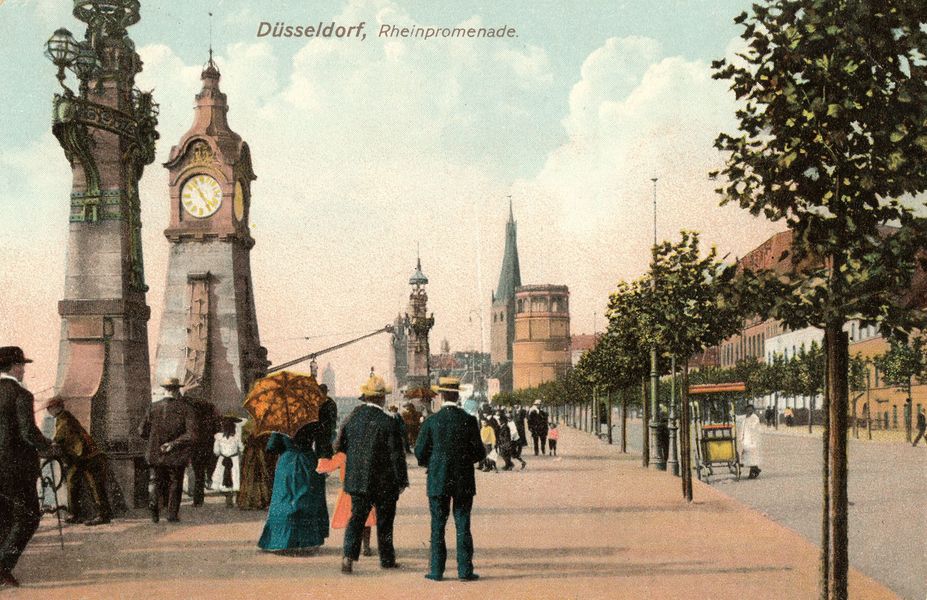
510 275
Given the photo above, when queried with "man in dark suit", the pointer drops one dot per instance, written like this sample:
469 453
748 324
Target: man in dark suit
328 421
20 445
170 428
375 473
449 445
202 457
537 425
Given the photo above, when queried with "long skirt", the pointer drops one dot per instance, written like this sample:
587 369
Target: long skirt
256 476
298 516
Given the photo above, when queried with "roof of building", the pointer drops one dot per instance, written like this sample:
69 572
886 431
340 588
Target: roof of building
583 341
510 274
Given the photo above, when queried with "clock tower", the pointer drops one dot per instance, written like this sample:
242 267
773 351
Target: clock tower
209 334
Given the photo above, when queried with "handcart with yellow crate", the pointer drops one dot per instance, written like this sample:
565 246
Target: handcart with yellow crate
715 428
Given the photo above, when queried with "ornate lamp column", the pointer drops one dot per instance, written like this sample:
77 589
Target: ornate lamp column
108 135
418 324
656 452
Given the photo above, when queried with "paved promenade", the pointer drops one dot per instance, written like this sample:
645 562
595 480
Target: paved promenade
591 524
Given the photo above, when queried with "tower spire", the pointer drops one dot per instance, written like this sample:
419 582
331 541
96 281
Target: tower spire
511 212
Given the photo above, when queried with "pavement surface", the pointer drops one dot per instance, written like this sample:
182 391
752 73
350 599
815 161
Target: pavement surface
588 524
888 519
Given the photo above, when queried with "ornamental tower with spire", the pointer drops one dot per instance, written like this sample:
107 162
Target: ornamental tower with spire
209 333
502 329
418 324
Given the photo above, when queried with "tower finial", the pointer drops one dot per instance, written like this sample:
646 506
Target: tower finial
210 38
511 212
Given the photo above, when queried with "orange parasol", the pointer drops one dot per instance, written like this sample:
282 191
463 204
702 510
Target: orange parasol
284 402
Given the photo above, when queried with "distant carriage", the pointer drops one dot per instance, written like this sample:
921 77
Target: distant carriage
715 428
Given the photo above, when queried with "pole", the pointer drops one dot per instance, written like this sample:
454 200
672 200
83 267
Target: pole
608 399
645 418
624 421
657 461
672 462
868 405
686 467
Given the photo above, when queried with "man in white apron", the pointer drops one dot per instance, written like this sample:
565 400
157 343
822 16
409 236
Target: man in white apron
748 431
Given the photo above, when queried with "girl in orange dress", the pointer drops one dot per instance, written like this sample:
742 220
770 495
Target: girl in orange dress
342 512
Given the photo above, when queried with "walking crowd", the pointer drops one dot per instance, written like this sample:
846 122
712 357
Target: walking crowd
280 473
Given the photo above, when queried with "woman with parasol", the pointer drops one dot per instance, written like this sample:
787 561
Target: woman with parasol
287 405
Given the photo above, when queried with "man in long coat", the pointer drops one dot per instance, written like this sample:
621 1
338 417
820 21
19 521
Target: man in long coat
448 446
375 473
20 445
537 425
84 464
202 458
170 428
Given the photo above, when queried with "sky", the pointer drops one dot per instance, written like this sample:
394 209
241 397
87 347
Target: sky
369 151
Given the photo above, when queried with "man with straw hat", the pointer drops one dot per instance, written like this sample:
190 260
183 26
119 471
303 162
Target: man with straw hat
21 443
448 445
170 428
375 473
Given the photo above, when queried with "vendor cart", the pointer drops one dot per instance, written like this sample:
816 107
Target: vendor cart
715 428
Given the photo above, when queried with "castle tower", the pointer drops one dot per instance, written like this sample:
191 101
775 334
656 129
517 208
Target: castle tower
502 329
418 324
541 351
399 354
108 135
209 333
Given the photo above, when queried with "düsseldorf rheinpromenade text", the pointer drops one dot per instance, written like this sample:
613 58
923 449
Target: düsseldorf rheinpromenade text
358 31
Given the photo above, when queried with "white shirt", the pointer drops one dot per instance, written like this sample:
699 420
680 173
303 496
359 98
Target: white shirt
378 407
10 377
446 403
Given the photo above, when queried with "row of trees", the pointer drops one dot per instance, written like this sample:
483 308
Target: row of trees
831 140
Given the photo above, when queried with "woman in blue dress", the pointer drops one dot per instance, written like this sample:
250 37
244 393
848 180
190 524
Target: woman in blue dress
297 520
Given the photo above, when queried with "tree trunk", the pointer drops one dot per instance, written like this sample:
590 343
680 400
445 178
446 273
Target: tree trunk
624 421
810 412
685 467
645 416
825 474
776 416
837 403
608 400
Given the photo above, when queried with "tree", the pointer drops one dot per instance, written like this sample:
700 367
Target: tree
901 364
686 313
833 133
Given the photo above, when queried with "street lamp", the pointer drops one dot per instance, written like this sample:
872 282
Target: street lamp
479 315
656 456
62 49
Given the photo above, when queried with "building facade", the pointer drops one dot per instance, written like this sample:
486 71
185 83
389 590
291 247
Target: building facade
542 347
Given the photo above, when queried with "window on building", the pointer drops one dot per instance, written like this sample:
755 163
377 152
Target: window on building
895 417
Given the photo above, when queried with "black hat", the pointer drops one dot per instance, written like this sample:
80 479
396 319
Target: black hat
12 355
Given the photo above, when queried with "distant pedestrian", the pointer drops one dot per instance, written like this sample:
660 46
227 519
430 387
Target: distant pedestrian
170 428
21 444
328 423
85 466
749 434
789 416
375 473
552 436
488 437
769 414
537 425
394 412
921 427
448 445
516 444
503 440
228 447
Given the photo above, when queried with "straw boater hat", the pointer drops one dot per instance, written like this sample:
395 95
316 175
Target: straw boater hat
171 383
447 384
375 387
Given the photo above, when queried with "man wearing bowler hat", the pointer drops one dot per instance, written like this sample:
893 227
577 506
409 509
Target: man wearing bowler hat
449 444
375 473
21 443
170 428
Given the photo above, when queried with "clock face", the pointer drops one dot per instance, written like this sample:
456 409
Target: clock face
239 202
201 196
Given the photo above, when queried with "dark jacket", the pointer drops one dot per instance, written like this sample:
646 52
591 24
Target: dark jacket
537 422
448 445
208 424
519 417
325 433
20 439
376 463
170 420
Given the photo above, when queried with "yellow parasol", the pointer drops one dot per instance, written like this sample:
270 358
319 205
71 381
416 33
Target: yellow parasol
284 402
